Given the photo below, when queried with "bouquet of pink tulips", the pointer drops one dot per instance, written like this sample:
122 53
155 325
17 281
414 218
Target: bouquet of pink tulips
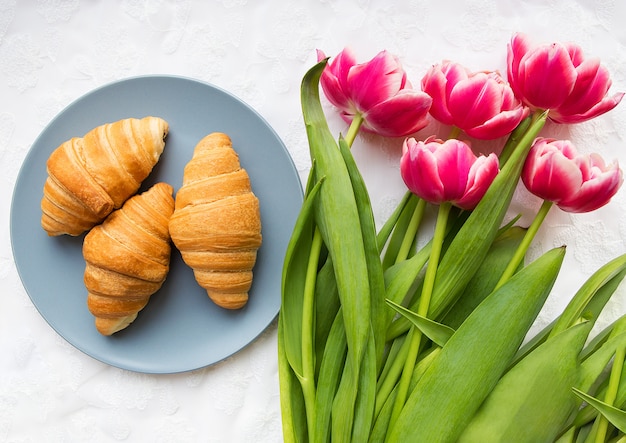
384 341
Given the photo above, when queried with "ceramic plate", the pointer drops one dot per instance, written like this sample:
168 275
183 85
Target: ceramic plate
180 329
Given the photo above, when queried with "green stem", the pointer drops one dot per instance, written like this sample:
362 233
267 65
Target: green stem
353 130
518 257
307 381
411 231
387 384
611 393
515 137
454 132
415 335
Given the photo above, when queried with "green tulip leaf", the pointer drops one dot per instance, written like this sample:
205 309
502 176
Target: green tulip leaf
293 413
589 302
338 220
476 356
436 332
616 416
589 299
533 400
293 277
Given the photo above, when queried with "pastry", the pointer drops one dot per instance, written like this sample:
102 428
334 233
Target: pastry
90 176
216 224
127 258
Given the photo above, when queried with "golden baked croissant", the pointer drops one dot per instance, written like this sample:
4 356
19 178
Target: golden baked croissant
216 223
127 258
90 176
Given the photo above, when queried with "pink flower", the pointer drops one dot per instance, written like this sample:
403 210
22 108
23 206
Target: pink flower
481 103
558 78
377 90
439 171
555 172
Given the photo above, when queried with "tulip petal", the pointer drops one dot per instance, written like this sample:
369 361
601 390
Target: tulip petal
469 100
600 108
553 176
554 171
334 79
377 90
575 52
419 171
560 79
500 125
454 160
375 81
474 101
546 77
434 83
520 45
592 85
481 175
446 171
334 93
595 193
399 116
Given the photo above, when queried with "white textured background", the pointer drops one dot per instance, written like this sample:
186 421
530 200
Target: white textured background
53 51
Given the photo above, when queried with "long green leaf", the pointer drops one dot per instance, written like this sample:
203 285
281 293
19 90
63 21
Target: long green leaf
404 279
366 396
594 365
293 278
332 365
436 332
473 360
588 302
601 337
383 236
327 305
402 220
372 256
587 413
616 416
486 276
586 293
532 401
338 219
293 412
383 418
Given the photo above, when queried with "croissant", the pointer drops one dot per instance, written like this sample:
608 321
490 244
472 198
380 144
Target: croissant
127 258
216 224
90 176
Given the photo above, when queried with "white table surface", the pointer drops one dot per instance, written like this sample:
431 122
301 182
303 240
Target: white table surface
52 52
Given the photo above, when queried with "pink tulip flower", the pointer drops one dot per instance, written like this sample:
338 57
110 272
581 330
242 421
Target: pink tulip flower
378 91
446 171
558 78
555 172
480 103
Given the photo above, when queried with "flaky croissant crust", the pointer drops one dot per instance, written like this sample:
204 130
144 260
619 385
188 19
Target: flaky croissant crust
127 258
216 224
90 176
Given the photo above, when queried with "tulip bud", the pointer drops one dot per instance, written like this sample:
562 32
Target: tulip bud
439 171
481 103
559 78
378 91
555 172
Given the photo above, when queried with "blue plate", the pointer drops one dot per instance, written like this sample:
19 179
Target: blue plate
180 329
